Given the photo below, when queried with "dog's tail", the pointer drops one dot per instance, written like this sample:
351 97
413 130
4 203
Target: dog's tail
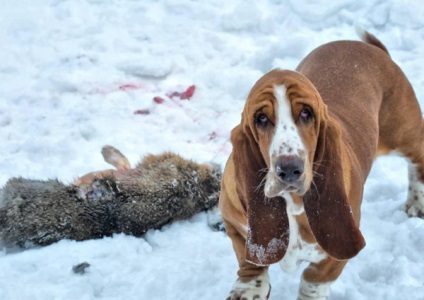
367 37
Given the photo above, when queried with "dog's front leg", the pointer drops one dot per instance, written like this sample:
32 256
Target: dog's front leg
257 288
317 279
253 281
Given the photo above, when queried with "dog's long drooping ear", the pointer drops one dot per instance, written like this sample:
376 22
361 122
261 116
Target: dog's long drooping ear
268 232
326 204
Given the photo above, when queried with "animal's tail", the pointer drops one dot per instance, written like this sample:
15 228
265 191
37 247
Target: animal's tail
367 37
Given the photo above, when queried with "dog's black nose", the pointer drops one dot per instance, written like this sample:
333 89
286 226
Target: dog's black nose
289 168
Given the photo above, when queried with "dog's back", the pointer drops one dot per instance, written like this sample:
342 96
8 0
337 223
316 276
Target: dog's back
359 81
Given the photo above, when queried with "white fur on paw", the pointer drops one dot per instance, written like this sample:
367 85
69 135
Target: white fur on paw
256 289
313 291
414 206
414 209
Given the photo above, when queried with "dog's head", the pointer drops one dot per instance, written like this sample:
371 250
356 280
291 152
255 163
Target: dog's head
283 114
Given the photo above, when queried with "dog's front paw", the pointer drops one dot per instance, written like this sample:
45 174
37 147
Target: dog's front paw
313 291
255 289
414 207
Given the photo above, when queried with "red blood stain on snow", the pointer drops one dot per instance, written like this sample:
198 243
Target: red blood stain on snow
142 112
186 95
130 86
158 100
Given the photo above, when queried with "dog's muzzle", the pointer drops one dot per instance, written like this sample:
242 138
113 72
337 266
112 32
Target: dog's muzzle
286 176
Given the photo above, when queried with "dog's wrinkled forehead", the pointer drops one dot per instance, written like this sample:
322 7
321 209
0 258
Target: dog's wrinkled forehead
291 80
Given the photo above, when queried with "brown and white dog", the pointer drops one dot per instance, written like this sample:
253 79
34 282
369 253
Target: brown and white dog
292 187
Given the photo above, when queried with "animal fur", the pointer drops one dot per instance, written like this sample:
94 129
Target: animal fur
157 191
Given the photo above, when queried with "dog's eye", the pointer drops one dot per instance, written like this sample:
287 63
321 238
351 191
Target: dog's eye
305 115
262 120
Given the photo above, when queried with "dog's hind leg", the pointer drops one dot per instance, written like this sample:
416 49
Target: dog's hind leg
412 147
414 206
401 129
409 141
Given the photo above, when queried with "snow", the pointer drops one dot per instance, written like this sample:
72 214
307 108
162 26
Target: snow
72 75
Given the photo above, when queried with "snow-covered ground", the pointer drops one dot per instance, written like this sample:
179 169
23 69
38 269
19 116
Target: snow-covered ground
72 74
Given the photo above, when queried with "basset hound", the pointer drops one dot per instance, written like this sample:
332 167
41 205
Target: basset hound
293 185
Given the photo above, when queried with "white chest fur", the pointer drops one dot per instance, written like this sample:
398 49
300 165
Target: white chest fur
298 250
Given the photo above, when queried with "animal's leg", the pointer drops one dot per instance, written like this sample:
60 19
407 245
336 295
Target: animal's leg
317 279
414 206
88 179
112 156
401 129
253 281
115 158
412 147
